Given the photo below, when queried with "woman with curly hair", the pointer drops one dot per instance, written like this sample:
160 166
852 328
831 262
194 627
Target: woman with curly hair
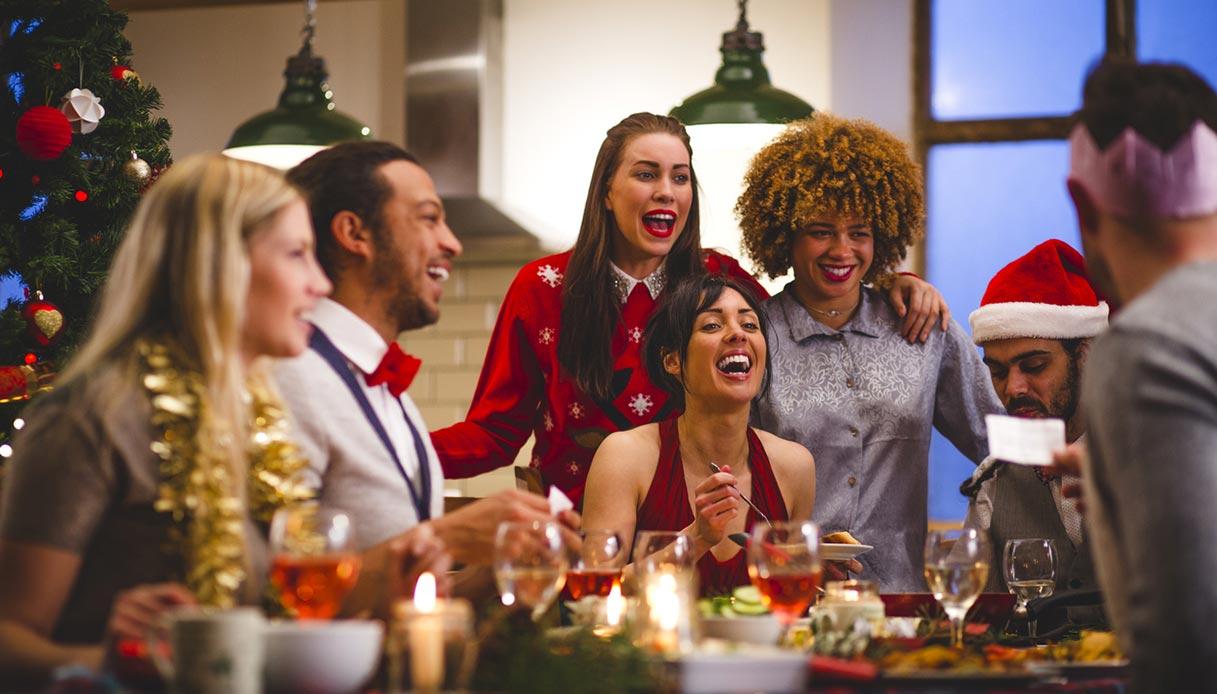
840 202
564 361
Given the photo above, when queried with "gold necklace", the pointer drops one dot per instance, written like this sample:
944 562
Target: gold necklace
833 312
196 488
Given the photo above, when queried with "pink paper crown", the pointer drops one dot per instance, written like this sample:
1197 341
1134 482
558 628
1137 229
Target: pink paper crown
1132 178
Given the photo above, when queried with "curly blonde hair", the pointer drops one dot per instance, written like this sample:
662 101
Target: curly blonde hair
826 164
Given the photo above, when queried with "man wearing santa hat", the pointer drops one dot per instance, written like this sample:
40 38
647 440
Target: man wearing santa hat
1035 324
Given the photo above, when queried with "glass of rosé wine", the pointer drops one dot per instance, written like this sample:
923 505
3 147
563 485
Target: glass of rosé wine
784 565
596 565
314 564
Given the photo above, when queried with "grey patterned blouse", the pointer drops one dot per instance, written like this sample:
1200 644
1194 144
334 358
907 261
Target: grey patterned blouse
862 400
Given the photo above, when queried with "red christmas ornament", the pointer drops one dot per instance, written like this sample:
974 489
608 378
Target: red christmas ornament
1 173
31 358
43 320
35 179
57 66
43 133
123 73
81 196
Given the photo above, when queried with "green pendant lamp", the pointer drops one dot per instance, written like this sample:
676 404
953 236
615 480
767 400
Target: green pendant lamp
728 124
742 92
305 121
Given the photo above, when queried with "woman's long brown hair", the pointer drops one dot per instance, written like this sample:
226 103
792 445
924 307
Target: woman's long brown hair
591 308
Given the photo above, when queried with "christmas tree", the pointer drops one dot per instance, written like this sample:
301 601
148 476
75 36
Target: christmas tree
78 145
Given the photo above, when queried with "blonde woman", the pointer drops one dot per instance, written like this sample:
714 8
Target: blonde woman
137 483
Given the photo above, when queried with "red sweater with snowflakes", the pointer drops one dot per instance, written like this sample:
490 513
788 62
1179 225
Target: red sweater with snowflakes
523 389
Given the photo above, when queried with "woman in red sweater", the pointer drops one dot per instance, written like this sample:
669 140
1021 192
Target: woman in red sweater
564 360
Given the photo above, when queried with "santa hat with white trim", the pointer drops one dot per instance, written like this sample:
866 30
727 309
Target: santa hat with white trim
1043 294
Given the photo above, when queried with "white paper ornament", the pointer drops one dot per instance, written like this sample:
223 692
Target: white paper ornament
83 109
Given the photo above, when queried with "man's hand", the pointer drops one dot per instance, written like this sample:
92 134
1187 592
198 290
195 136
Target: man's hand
469 531
417 550
920 304
1071 460
840 570
135 612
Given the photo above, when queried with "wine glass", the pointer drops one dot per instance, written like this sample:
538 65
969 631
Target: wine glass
956 569
1030 567
314 563
530 564
596 565
784 565
656 549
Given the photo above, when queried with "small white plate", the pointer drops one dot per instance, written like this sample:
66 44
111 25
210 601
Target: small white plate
833 551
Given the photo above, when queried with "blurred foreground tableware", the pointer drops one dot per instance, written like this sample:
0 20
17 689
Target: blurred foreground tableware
596 565
850 606
719 668
667 622
784 565
431 646
530 563
313 560
208 651
762 630
329 657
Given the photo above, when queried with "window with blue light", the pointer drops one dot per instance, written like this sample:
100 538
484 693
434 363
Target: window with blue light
1001 59
1019 66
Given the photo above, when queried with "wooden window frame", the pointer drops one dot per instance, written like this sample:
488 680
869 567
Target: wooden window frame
1120 20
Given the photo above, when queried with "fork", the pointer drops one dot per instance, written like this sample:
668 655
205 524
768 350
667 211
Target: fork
714 466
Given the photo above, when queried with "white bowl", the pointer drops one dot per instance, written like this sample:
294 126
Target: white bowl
760 629
321 657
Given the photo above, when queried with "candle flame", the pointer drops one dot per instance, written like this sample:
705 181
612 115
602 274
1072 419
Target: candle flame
424 592
614 605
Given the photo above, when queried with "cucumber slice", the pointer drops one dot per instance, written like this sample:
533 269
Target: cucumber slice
746 594
750 609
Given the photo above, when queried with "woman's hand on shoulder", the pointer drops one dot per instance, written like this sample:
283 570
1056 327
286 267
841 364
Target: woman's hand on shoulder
920 304
717 503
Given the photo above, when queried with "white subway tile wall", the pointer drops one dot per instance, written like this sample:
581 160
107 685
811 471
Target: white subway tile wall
452 350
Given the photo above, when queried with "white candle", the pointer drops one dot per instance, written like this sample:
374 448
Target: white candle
426 637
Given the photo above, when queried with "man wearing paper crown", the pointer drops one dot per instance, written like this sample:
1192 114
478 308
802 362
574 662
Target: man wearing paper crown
1143 180
1035 325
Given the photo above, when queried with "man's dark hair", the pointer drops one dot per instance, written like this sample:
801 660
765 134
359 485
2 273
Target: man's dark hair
345 177
1160 101
671 328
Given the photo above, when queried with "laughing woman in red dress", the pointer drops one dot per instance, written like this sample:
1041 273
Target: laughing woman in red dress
563 362
707 348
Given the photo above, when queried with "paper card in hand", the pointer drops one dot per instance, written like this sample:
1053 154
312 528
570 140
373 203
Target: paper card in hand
1024 441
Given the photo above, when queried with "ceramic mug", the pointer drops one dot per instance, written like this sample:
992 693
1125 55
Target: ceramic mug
210 651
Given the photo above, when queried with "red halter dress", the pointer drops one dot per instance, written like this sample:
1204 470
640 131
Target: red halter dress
667 507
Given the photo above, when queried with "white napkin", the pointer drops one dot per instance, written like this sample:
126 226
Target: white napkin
559 502
1024 441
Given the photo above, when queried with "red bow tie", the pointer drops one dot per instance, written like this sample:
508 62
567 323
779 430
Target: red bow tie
396 369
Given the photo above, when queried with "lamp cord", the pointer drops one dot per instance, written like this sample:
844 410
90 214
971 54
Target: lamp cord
310 22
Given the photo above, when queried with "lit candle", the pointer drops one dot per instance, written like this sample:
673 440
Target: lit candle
426 637
614 609
614 605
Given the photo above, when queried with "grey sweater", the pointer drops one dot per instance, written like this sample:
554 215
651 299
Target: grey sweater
1150 392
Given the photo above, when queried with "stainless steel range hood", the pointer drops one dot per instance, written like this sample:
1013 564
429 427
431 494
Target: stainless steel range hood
454 104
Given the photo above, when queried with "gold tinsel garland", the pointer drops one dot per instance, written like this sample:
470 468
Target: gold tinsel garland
196 487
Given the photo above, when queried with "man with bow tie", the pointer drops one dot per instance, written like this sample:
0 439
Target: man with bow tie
384 242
